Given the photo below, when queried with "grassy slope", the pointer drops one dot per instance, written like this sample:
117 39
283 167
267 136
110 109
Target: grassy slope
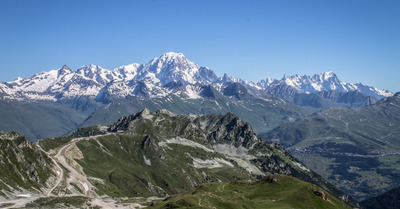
125 173
60 202
276 191
52 143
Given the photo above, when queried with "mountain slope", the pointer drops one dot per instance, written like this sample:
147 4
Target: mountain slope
263 112
275 191
25 170
38 120
387 200
356 149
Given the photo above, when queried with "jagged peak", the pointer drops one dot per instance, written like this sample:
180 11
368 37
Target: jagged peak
91 70
64 70
65 67
145 111
231 116
327 75
228 78
128 67
165 111
9 135
90 67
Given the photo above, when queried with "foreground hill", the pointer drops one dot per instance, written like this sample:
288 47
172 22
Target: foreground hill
275 191
356 149
148 156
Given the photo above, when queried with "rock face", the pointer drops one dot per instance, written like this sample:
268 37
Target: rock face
24 167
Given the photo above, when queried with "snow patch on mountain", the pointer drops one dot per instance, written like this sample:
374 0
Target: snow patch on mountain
184 142
126 72
211 164
190 91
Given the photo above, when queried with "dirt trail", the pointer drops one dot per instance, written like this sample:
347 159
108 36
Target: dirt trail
75 177
60 175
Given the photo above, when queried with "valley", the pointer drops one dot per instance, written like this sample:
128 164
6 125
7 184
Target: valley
355 149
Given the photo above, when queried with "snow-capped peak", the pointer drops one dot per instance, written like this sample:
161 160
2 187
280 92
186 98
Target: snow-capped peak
172 56
327 81
315 83
264 83
170 67
96 73
127 72
158 76
64 70
328 74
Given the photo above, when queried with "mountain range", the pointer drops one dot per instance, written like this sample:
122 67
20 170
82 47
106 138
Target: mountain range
64 100
169 73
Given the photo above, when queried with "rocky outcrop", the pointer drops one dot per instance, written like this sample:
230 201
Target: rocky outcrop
23 165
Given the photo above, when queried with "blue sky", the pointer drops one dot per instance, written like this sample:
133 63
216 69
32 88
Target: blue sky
357 39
